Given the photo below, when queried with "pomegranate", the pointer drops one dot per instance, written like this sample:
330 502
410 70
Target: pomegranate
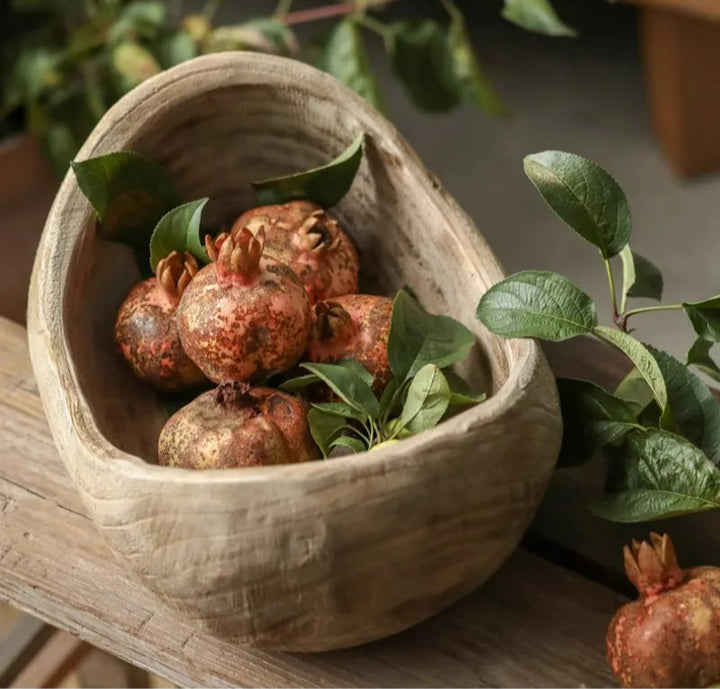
670 636
243 317
302 235
237 426
146 329
355 326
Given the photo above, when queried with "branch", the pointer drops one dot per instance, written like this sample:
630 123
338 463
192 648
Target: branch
329 11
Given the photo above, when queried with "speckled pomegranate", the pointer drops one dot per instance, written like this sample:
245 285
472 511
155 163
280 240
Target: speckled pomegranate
237 426
355 326
670 636
243 317
146 329
302 235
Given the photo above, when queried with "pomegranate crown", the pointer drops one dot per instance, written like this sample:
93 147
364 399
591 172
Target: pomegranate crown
174 273
233 392
318 233
237 254
332 321
652 566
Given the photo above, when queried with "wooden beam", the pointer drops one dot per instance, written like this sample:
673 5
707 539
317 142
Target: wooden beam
19 644
53 662
680 55
705 9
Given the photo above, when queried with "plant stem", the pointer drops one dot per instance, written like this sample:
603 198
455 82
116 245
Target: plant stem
374 25
650 309
613 297
329 11
451 8
283 7
211 6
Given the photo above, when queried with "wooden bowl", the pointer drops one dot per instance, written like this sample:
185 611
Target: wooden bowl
305 557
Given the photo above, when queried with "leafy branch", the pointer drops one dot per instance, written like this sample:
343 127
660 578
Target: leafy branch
660 428
67 67
422 392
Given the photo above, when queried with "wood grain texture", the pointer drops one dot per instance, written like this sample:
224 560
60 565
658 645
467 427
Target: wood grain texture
680 54
533 624
315 556
705 9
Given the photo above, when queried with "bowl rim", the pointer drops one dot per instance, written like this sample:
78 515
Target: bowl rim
524 357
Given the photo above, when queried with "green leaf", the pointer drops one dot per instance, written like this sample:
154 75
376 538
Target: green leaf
540 304
635 391
438 67
460 390
696 412
470 80
142 18
60 146
357 368
699 356
644 362
299 383
592 418
179 230
324 185
176 49
129 193
705 317
536 15
388 398
345 57
584 196
641 278
427 400
341 409
349 386
262 35
421 59
659 475
35 73
354 444
324 428
418 338
133 64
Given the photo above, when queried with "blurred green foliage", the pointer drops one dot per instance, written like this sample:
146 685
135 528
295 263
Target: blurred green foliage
65 62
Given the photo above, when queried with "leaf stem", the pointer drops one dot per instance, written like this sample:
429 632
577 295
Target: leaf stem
211 7
375 26
329 11
451 8
650 309
283 7
613 296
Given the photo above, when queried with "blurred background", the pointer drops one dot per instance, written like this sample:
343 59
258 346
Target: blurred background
636 90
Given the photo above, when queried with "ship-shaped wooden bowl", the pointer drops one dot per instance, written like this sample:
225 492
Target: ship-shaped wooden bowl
315 556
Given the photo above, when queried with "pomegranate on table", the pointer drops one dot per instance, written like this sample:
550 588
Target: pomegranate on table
237 426
244 317
146 329
355 326
303 236
670 636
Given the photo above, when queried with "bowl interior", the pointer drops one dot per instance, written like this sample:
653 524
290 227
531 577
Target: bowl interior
214 138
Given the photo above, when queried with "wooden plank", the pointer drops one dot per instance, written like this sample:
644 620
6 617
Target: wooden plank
19 644
53 662
706 9
680 56
564 522
533 624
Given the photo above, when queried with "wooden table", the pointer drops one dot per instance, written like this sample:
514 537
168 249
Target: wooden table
540 621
